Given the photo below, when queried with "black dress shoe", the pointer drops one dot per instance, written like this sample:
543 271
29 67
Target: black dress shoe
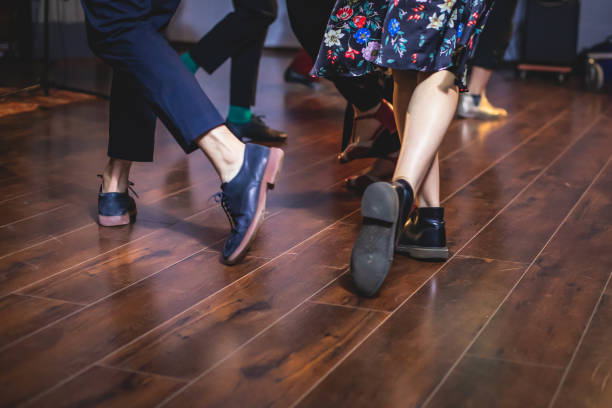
424 235
292 76
256 131
384 208
115 209
244 198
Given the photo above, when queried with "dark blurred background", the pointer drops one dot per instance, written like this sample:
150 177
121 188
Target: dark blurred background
574 26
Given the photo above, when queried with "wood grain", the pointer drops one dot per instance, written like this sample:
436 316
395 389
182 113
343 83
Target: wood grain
22 315
49 356
104 387
408 355
146 314
216 327
277 367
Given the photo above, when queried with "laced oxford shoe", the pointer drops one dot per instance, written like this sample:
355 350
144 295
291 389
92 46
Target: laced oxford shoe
116 209
244 198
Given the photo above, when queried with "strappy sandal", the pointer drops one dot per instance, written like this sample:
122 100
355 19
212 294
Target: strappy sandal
383 141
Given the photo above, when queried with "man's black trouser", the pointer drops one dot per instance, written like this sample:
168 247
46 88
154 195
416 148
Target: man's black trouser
309 20
239 36
149 78
496 35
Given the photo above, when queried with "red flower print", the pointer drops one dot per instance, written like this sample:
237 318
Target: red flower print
351 53
359 21
345 13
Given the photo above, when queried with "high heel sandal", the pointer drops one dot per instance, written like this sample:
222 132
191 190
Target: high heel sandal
382 142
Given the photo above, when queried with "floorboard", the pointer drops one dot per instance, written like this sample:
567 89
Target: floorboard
147 315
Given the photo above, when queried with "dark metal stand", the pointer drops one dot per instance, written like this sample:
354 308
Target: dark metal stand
45 83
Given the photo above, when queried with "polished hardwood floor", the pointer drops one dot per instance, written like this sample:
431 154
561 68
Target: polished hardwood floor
146 315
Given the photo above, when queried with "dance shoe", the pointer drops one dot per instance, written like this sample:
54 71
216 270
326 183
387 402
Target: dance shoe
384 209
293 76
299 70
244 198
115 209
424 235
256 131
383 141
467 108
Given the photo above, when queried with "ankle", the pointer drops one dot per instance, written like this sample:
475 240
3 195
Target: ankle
231 165
225 151
115 178
427 202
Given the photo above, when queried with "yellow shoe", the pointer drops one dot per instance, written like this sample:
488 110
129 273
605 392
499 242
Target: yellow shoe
484 110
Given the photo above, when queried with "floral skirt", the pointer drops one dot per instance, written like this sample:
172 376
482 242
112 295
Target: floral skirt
419 35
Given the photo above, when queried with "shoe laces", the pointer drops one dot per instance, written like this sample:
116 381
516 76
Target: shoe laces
130 186
221 198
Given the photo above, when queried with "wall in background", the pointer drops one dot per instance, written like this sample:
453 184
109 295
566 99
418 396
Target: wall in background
595 22
195 17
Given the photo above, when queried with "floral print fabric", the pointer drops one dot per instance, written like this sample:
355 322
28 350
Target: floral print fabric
421 35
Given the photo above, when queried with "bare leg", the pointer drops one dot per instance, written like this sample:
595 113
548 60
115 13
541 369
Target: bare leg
224 150
427 117
115 176
429 194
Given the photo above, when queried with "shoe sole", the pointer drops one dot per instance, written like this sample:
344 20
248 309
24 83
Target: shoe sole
271 174
424 253
117 220
372 253
481 116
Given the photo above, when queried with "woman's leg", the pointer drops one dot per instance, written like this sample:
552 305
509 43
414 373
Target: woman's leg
426 115
429 194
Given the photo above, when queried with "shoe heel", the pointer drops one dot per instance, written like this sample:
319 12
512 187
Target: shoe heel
114 220
380 202
275 163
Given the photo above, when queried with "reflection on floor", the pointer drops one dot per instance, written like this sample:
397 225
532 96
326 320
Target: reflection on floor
147 315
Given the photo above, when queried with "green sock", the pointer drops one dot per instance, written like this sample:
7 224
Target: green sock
191 65
239 114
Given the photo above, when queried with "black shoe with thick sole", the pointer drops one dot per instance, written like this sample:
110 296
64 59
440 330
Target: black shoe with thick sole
383 209
424 235
116 209
256 131
295 77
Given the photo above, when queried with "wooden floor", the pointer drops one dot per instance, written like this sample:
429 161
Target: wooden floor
146 315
